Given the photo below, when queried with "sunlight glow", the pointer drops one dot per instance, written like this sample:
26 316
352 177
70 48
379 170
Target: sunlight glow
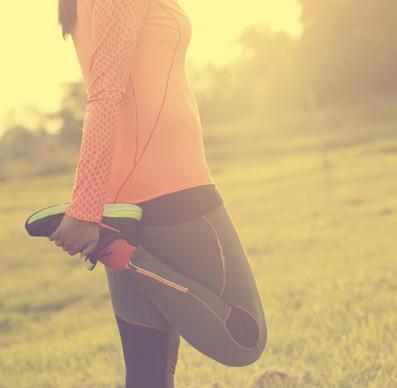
38 61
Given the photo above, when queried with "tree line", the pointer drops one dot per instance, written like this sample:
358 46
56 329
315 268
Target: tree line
346 53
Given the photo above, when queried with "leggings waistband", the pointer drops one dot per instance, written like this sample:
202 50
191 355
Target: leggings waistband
180 206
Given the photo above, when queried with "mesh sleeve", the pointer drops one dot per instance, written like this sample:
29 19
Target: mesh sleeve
114 31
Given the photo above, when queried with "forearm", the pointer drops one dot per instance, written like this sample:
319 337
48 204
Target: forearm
95 160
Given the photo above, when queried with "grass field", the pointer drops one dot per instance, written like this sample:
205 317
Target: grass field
316 208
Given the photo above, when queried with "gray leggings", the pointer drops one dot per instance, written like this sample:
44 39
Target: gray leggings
193 279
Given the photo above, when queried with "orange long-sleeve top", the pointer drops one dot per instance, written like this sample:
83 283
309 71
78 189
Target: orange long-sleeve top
142 134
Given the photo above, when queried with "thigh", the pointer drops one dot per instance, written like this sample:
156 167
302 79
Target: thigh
241 287
132 305
209 250
150 355
190 247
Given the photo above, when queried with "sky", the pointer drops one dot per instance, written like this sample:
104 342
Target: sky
39 61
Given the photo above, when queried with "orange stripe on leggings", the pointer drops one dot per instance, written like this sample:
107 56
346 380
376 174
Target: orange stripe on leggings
159 278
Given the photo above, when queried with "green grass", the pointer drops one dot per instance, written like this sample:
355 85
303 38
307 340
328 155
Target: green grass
316 208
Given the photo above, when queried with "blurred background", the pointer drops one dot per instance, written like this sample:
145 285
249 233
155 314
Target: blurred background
298 102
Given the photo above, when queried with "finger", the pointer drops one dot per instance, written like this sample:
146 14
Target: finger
59 243
73 250
90 248
70 248
67 248
62 243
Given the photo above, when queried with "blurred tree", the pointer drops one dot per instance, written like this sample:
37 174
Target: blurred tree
345 54
39 141
267 71
262 80
71 115
18 142
347 50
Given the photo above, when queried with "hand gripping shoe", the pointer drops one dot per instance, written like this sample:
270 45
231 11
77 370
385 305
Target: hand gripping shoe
118 231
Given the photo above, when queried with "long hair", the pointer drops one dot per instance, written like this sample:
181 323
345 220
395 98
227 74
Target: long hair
67 11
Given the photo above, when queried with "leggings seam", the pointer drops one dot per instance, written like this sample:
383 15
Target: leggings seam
222 257
188 291
224 286
224 323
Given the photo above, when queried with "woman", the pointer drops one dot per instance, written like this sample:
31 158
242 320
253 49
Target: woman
142 144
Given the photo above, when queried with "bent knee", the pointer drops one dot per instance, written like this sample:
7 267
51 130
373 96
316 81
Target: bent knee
246 330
